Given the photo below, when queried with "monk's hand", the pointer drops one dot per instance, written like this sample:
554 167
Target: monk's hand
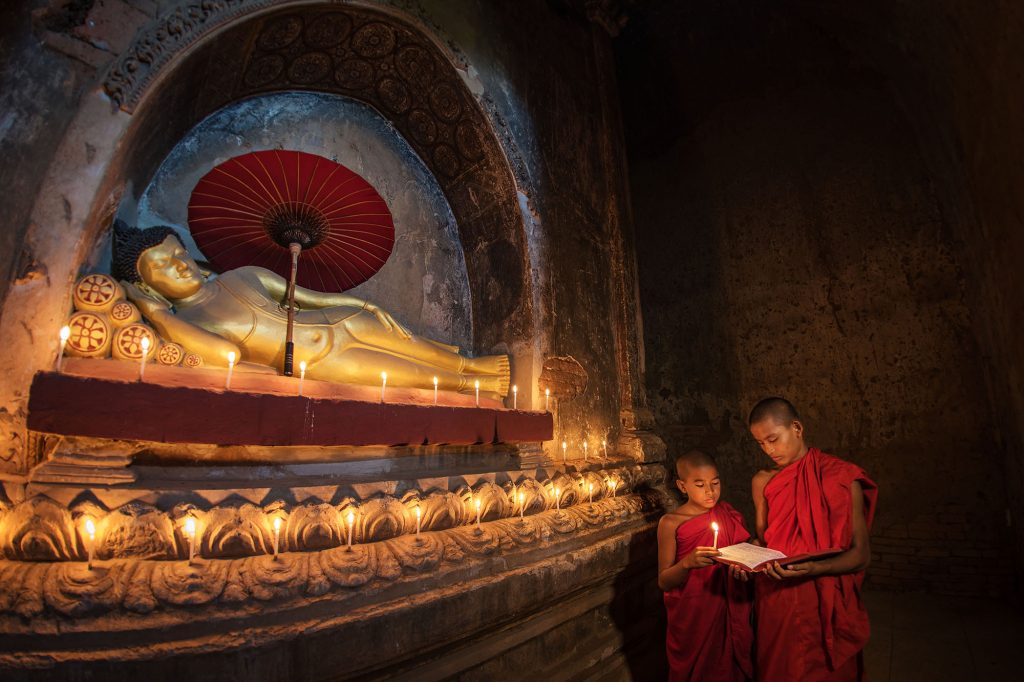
738 573
801 570
701 557
385 318
146 303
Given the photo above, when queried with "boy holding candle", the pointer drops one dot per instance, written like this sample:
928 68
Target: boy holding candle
709 634
811 622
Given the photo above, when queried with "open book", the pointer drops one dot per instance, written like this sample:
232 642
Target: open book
754 558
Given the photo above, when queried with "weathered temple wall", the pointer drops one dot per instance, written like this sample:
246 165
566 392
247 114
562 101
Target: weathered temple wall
424 282
793 240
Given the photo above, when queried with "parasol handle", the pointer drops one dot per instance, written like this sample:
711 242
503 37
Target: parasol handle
289 345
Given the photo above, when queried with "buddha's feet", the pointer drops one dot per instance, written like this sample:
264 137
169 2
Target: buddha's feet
492 371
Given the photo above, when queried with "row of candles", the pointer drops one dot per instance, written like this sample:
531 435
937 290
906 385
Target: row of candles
190 525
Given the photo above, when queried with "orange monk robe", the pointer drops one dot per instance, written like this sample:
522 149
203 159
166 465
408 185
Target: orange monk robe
710 638
813 628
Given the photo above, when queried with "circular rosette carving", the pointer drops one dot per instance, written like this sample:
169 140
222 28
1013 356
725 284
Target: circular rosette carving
469 141
354 74
309 68
180 584
279 33
235 532
96 293
124 313
135 530
327 30
39 529
90 336
127 344
267 578
374 40
73 589
444 101
192 360
394 95
446 160
264 70
170 354
423 127
415 65
317 526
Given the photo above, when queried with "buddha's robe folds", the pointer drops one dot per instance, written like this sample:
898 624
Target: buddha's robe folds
814 628
709 637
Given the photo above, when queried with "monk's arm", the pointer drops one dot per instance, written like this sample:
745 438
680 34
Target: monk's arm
858 556
757 485
672 573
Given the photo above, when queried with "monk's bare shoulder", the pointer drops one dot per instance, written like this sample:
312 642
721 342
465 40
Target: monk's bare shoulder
761 479
671 521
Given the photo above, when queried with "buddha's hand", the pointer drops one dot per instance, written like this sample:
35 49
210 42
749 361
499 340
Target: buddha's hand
384 317
148 305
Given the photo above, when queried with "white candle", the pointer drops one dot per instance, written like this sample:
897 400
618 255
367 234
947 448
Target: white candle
231 368
190 531
302 375
277 535
142 360
714 527
65 334
558 498
522 505
90 530
590 489
477 502
586 449
565 447
419 514
383 384
547 399
435 390
476 385
515 397
604 446
351 522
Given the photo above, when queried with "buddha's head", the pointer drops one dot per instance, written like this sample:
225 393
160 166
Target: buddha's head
156 257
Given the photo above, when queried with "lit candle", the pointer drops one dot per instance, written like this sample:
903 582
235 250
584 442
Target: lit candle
586 449
302 375
547 399
383 384
515 397
565 447
522 506
477 502
435 390
277 535
558 499
65 334
142 360
90 530
590 489
604 446
476 385
351 522
231 368
419 514
611 486
190 531
714 527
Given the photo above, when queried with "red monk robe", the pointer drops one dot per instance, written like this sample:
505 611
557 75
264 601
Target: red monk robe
813 628
709 637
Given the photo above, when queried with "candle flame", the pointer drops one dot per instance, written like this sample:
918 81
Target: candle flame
383 376
351 517
564 445
231 357
714 526
522 496
476 384
145 343
590 487
90 528
477 503
515 389
190 526
65 333
435 382
302 366
277 523
417 513
547 392
558 492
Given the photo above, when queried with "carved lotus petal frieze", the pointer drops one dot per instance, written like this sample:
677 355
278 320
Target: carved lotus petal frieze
180 583
73 589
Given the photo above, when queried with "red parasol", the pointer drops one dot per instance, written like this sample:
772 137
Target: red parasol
263 208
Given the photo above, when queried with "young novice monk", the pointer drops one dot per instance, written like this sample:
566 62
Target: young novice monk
811 622
709 633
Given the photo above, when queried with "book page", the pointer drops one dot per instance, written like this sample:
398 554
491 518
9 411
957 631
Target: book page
750 555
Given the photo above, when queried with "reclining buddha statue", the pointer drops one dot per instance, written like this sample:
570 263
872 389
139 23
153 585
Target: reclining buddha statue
341 338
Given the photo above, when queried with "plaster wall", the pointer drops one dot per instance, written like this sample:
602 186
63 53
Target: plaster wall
792 241
424 282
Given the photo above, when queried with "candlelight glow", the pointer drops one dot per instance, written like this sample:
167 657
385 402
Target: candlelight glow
190 526
90 529
277 524
231 354
65 334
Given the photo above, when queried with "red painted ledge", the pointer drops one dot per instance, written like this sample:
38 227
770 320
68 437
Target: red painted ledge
103 407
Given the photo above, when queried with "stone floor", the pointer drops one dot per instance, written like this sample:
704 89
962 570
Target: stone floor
928 637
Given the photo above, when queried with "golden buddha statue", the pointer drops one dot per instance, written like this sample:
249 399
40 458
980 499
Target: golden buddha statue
341 338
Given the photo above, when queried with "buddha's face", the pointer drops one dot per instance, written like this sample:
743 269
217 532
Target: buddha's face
169 269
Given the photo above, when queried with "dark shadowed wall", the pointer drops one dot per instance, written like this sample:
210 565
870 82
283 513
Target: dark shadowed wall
791 241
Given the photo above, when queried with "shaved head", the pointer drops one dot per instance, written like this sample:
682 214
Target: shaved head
779 410
692 460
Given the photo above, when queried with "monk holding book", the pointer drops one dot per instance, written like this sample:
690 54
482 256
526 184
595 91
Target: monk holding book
811 622
709 633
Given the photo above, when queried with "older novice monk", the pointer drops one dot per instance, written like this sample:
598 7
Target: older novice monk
709 632
811 622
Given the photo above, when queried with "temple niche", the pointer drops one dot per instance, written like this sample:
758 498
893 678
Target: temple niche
264 482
